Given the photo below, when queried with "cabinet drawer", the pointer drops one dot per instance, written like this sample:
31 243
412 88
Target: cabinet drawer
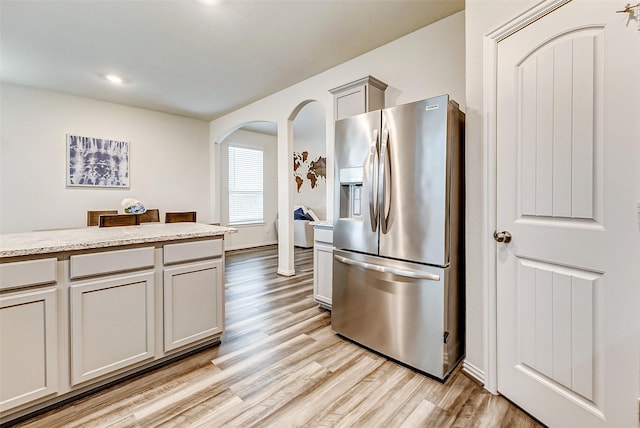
175 253
323 235
110 261
31 272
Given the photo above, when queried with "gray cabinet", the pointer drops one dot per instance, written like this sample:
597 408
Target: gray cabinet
112 325
28 332
28 347
323 265
193 293
75 320
193 303
359 96
112 317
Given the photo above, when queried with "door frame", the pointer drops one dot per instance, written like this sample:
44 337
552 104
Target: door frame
490 88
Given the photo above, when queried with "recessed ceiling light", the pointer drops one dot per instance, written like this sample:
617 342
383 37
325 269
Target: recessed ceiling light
114 79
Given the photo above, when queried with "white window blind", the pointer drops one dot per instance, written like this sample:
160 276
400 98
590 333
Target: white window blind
245 185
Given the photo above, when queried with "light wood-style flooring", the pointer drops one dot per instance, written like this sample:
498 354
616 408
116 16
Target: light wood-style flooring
281 365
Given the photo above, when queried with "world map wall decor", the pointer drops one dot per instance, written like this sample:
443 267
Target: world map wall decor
312 170
96 162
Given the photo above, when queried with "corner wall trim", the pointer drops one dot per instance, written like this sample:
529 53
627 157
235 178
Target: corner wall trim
286 272
473 371
490 90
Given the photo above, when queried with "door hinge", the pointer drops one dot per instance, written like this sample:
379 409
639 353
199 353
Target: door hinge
446 336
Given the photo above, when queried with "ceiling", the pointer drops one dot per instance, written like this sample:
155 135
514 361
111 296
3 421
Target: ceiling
195 58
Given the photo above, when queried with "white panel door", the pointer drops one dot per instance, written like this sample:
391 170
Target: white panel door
568 156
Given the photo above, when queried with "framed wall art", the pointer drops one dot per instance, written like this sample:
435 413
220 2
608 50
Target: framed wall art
97 162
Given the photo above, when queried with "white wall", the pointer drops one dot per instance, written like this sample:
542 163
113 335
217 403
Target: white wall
169 159
256 234
427 62
482 17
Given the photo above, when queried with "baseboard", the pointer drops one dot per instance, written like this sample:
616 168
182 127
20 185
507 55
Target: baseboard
286 272
245 246
473 372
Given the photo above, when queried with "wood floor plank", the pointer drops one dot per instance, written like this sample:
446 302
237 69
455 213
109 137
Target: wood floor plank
364 396
419 415
216 415
280 365
302 406
395 396
267 398
265 345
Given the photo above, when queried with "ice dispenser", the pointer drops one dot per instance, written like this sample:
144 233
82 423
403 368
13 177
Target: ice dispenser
351 193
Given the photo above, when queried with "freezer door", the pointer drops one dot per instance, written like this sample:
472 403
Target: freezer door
355 216
414 184
395 308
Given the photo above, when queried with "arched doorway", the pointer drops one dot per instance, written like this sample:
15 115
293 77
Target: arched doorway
309 170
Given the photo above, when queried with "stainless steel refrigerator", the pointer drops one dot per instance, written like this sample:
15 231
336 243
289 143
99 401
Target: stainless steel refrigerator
398 269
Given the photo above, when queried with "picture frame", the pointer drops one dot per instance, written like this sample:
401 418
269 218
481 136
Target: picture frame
97 162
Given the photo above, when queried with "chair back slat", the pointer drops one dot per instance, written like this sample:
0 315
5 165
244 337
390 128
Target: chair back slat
93 216
180 217
110 220
150 216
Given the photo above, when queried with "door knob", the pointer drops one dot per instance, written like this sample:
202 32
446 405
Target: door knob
503 236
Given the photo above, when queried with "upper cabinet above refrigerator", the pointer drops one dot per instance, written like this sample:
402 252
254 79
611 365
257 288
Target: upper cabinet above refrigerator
360 96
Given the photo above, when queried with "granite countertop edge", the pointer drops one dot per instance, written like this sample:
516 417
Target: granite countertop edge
64 240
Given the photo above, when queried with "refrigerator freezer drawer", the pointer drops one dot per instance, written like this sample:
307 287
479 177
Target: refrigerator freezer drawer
398 309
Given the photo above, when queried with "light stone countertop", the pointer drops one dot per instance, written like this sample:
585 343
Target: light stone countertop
87 238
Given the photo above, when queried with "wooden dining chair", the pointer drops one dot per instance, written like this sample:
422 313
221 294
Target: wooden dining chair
110 220
93 216
188 216
150 216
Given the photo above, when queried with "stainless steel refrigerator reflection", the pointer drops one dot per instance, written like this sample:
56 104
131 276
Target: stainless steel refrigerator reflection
398 271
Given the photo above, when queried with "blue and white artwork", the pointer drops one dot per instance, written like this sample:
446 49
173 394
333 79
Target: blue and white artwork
97 162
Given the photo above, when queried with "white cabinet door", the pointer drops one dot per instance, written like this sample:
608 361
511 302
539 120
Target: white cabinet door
112 325
28 347
322 273
351 103
359 96
193 303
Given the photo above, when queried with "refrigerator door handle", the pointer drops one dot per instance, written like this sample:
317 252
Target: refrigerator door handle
373 179
409 273
385 181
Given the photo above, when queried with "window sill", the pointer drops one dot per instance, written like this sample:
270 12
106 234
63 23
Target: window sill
247 224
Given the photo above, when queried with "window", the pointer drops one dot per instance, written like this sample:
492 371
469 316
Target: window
245 185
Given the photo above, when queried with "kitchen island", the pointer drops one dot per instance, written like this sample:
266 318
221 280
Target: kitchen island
83 308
